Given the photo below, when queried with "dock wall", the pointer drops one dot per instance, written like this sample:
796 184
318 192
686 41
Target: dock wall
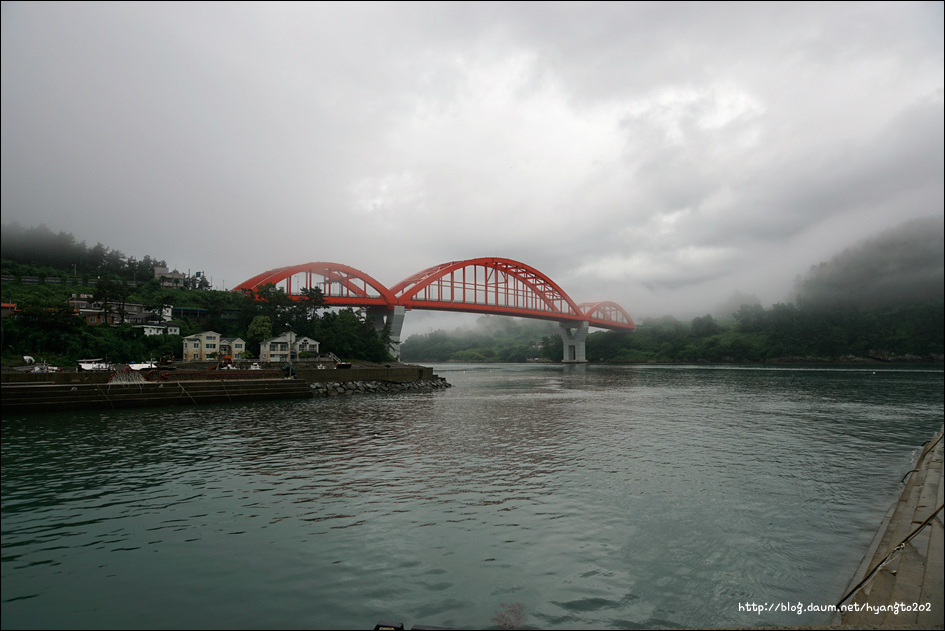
54 392
400 373
900 582
22 398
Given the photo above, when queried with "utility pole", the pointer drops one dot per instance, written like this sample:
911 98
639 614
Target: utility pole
291 335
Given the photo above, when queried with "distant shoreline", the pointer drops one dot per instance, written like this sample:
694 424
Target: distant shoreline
935 359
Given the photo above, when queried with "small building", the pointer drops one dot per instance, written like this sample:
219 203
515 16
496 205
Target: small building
98 317
286 347
275 349
191 313
233 347
143 317
202 346
306 345
169 279
131 308
111 312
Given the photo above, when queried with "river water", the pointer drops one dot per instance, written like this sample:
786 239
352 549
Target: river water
560 497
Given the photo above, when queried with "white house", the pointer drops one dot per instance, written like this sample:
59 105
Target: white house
233 346
276 349
203 345
306 345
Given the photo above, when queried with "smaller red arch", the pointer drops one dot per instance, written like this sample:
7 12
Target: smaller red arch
342 283
607 314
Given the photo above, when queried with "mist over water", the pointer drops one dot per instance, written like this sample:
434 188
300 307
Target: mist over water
595 497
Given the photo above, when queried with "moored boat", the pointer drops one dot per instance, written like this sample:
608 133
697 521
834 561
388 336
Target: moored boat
95 365
148 365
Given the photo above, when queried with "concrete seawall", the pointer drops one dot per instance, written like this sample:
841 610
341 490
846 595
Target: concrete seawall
55 392
399 372
30 398
901 581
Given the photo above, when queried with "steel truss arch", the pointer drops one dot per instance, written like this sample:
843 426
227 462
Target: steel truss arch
482 285
487 285
607 314
340 284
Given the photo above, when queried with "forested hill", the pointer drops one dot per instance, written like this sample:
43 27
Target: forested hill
38 251
901 265
492 339
881 299
46 325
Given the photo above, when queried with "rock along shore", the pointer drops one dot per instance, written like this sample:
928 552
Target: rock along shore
341 388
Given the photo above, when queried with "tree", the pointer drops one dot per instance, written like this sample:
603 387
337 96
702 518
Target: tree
550 348
109 291
349 335
158 301
750 318
309 302
704 326
272 301
259 329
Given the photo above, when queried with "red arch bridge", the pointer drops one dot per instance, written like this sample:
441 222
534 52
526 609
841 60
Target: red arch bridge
495 286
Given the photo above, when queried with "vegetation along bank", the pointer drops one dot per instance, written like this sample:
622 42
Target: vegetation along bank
882 300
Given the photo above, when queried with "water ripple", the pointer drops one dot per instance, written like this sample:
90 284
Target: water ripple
594 497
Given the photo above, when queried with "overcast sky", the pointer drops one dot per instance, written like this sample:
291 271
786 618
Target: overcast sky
660 155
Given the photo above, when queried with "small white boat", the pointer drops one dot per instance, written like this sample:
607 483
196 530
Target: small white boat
144 365
45 368
94 365
38 367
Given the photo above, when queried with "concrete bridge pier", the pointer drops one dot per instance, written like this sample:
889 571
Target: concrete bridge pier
574 336
396 319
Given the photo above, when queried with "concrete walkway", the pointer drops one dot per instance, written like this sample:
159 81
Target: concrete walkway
913 576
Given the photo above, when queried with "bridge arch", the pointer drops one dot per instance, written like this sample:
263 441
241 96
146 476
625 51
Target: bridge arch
341 285
487 285
497 286
607 314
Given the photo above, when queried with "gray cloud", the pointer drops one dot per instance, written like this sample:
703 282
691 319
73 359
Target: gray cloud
662 155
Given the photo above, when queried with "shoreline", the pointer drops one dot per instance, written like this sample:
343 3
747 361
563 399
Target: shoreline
856 360
900 583
63 392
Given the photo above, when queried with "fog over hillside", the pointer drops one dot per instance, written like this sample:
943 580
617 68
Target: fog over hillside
901 264
904 264
659 155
